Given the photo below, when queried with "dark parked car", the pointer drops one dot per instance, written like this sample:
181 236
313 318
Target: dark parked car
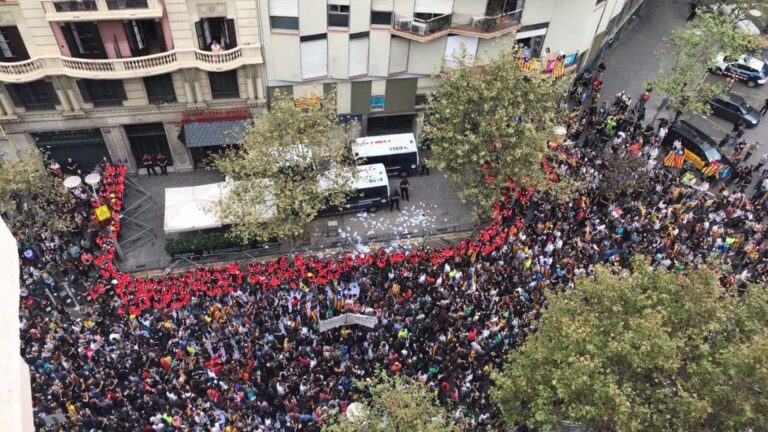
733 108
701 149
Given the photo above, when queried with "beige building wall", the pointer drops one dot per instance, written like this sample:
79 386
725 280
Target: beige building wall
359 16
378 53
288 66
426 58
469 8
29 17
572 25
314 17
404 7
539 11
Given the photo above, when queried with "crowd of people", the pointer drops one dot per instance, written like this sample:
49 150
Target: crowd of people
239 347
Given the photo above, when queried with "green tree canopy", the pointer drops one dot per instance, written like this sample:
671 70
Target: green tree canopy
690 53
395 404
650 350
490 123
32 198
290 165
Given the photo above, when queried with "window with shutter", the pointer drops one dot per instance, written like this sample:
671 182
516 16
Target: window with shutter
230 36
358 56
102 93
398 55
284 14
314 57
160 88
33 96
456 43
224 85
12 47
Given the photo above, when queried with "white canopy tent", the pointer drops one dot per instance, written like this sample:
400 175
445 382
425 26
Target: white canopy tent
189 208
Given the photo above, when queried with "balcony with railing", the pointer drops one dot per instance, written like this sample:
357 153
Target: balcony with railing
487 26
91 10
134 67
421 29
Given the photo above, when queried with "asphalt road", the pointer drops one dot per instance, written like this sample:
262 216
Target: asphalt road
634 60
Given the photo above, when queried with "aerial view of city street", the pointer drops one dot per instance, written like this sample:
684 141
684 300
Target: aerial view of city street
384 215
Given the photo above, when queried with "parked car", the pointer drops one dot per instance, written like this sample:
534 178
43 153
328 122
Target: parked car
733 108
744 23
700 149
745 68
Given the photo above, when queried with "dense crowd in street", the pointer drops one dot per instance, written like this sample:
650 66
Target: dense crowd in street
238 348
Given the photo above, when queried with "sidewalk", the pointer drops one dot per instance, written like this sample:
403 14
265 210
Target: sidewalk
434 208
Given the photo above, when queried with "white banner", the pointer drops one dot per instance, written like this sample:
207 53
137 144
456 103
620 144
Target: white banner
347 319
366 320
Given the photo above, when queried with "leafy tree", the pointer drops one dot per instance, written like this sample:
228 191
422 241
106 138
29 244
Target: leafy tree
30 197
490 123
689 55
623 172
395 404
650 350
281 171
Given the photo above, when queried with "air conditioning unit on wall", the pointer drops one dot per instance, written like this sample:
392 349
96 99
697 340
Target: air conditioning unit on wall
419 28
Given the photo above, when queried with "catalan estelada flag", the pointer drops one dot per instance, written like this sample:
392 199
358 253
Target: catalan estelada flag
674 160
713 169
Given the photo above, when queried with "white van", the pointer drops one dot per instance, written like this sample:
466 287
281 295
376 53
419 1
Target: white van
397 152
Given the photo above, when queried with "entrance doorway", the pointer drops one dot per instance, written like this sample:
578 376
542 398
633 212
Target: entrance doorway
86 146
148 138
386 125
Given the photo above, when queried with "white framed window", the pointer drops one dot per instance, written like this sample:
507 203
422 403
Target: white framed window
338 15
314 56
284 14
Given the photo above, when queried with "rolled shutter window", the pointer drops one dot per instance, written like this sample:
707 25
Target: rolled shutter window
382 5
398 55
314 59
454 45
358 57
434 6
286 8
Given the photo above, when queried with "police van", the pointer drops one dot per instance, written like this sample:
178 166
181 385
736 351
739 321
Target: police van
371 191
397 152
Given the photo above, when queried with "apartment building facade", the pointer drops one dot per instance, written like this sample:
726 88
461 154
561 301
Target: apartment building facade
380 56
121 78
